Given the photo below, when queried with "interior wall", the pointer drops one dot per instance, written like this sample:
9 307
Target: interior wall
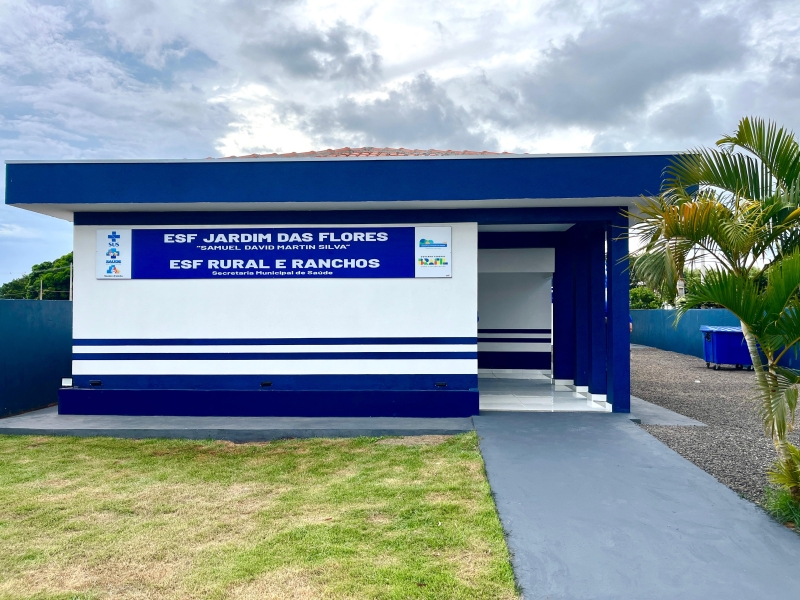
514 306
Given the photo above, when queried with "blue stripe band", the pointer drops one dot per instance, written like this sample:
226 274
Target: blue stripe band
513 360
270 355
272 341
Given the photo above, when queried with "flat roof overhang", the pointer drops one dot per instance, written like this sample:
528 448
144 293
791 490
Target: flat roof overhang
65 188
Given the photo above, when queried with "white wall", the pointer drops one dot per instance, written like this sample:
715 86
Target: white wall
517 260
278 308
514 293
514 300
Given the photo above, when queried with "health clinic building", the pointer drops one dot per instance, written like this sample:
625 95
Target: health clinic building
356 282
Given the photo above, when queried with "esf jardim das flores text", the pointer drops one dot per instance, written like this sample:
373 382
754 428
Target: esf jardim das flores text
256 237
286 241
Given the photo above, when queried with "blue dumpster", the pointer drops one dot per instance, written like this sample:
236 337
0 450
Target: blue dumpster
725 346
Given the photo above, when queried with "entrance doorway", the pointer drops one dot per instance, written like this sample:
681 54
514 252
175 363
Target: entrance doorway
515 334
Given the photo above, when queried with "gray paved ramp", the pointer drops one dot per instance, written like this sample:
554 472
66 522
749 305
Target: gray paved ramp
648 413
597 508
236 429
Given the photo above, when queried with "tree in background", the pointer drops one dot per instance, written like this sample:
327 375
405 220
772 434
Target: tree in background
54 278
643 297
737 207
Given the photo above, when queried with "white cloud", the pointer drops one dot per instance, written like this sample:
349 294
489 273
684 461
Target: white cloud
196 78
260 127
12 230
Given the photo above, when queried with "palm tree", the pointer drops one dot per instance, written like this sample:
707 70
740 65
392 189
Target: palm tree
770 316
737 205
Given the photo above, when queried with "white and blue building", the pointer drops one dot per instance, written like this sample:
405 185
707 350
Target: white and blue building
331 286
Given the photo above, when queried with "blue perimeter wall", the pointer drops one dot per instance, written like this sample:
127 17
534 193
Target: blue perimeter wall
35 353
656 328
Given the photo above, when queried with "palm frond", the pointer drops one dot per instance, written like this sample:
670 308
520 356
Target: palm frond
738 174
777 404
738 293
783 281
775 146
659 269
783 334
786 473
791 375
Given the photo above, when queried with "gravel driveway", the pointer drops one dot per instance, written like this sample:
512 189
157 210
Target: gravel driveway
733 448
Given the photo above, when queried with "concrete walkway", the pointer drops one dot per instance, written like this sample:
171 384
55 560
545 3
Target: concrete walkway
235 429
648 413
47 421
597 508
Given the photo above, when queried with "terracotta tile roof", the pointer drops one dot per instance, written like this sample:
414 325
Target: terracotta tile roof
348 152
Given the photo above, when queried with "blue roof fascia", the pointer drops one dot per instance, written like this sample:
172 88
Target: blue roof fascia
341 180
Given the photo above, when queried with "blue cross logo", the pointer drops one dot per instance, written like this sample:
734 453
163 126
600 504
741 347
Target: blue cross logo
114 236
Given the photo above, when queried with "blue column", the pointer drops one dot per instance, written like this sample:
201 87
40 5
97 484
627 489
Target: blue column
619 345
564 314
597 307
583 330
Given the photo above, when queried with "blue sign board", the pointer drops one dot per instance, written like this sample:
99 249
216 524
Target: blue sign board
253 252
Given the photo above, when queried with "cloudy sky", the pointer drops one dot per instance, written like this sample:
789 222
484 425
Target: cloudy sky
196 78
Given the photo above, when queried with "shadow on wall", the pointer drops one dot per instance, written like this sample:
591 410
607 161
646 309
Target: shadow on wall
35 353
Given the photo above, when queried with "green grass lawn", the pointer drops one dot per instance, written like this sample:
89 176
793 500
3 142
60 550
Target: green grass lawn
322 518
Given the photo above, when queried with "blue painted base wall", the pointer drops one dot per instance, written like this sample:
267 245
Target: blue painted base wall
656 328
269 403
280 382
514 360
35 353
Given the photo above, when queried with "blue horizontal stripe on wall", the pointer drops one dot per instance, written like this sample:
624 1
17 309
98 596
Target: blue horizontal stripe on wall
279 403
513 360
272 341
513 331
280 382
482 216
270 355
349 180
514 340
